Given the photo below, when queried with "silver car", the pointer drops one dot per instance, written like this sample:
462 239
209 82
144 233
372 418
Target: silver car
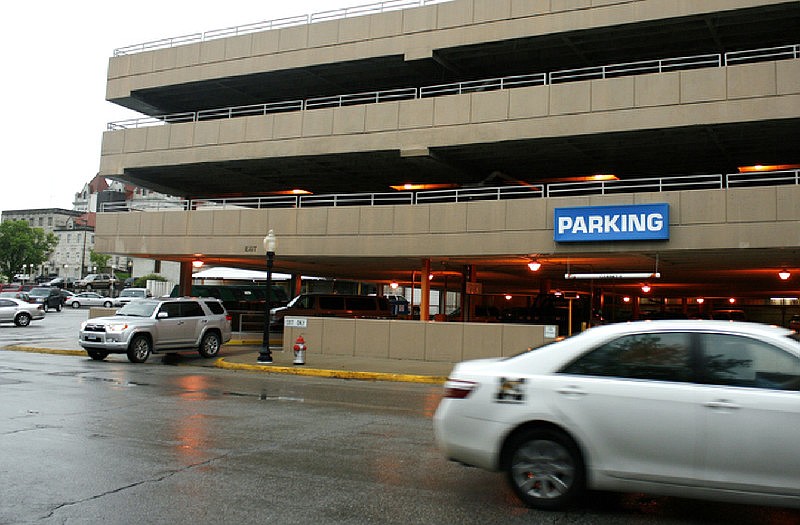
148 326
19 312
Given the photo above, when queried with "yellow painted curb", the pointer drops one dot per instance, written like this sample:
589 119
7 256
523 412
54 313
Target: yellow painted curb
36 350
337 374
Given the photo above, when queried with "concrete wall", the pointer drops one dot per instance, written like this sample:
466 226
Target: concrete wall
703 219
422 341
413 33
743 93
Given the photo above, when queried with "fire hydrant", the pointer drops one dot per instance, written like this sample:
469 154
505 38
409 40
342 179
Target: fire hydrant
300 351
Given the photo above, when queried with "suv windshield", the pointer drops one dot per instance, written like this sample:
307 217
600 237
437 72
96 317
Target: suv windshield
39 292
131 293
139 308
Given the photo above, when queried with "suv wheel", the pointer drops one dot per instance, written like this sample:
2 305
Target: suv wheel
58 307
97 355
139 349
210 344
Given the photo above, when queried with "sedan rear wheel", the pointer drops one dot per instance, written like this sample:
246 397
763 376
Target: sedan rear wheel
139 349
76 304
209 346
22 319
545 468
107 304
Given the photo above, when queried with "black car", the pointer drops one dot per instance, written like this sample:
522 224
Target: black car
49 296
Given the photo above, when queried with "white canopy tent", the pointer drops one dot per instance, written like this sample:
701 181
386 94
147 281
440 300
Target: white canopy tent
238 274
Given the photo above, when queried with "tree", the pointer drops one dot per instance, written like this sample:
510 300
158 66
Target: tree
99 260
20 244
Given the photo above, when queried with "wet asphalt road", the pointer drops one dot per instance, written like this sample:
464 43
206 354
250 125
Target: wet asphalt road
111 442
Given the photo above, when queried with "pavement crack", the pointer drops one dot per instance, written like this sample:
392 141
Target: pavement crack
129 486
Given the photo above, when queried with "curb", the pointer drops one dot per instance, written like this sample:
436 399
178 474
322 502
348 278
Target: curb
337 374
37 350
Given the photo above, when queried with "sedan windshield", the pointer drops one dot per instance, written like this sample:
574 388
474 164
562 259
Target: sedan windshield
139 308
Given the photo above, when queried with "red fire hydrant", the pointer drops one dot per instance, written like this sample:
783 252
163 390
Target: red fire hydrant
300 351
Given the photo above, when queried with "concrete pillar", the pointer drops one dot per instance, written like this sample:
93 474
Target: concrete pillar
185 284
425 291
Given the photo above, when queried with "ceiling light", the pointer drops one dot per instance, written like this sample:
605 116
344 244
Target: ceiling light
700 300
508 297
197 263
394 285
772 167
619 275
534 265
417 187
646 288
784 274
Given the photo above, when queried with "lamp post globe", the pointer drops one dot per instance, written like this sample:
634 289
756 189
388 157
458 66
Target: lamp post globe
265 355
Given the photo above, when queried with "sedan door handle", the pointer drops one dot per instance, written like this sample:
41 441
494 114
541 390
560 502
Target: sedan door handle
571 391
722 404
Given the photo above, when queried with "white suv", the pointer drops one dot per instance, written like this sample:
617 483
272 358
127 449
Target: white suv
148 326
128 294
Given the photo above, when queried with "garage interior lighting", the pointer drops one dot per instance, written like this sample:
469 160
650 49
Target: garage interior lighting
784 274
773 167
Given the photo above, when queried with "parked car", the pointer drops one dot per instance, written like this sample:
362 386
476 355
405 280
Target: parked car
703 409
65 294
18 295
96 281
49 296
729 315
11 287
88 299
148 326
128 294
19 312
62 282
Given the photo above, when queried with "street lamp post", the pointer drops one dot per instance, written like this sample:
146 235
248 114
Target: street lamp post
265 355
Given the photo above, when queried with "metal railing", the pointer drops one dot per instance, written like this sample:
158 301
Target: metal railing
471 86
335 14
553 189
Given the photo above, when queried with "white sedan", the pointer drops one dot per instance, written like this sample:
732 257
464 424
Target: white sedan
88 299
702 409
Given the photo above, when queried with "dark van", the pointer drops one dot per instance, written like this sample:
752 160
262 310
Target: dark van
332 305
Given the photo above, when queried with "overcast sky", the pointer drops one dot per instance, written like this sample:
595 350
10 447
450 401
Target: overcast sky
55 60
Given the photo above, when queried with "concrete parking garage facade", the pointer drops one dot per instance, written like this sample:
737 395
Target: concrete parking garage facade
667 98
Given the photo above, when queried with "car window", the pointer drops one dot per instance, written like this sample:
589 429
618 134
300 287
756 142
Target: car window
361 303
656 356
215 307
192 309
7 303
172 309
741 361
331 303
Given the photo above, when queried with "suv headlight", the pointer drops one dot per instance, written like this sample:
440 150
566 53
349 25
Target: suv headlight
116 328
